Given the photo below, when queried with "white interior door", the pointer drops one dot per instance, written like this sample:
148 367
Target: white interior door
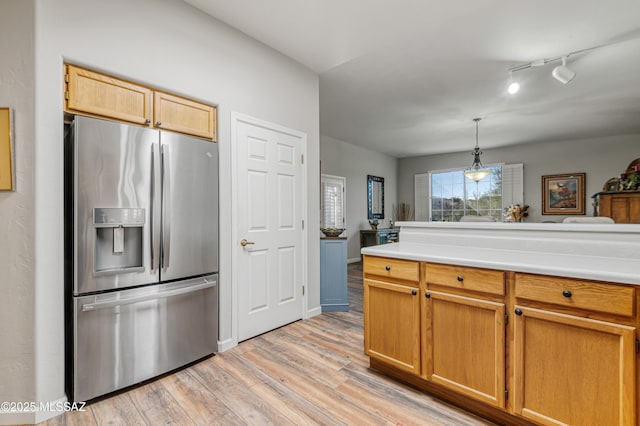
269 217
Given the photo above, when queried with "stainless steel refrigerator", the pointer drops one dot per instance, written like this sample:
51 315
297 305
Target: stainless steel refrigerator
141 249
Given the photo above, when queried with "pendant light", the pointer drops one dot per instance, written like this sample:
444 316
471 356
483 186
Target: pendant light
476 172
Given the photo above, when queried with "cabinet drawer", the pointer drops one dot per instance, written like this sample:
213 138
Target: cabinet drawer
591 296
392 268
462 277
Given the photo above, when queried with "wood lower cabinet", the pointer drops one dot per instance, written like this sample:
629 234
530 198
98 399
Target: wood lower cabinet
622 207
99 95
392 312
572 370
515 347
392 324
464 345
574 351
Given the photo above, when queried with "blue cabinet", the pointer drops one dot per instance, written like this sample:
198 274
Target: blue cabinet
333 275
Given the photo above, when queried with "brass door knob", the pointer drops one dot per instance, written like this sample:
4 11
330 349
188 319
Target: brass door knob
245 243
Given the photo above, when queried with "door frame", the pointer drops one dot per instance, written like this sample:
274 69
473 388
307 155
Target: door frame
236 119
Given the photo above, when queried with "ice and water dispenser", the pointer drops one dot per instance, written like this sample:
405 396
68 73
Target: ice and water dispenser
119 234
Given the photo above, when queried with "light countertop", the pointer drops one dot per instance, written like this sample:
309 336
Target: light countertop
595 252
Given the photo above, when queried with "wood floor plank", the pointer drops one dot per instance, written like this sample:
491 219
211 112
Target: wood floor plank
75 418
157 406
116 410
239 398
196 400
323 395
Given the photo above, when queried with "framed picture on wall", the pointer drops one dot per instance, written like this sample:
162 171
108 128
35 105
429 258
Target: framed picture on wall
7 157
563 194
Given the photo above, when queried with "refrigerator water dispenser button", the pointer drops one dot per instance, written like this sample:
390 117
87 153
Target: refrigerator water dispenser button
118 239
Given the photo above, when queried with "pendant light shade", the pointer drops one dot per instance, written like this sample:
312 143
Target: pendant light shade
476 172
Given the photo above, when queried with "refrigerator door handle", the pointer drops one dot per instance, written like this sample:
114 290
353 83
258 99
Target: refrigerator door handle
164 294
152 210
166 207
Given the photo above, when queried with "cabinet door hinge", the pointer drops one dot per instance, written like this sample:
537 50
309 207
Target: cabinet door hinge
66 94
637 346
506 319
506 394
66 78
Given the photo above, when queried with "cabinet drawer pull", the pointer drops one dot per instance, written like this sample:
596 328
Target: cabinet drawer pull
460 278
566 293
388 268
414 292
518 311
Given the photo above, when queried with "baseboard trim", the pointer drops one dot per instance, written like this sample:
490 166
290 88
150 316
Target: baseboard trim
225 345
314 312
354 260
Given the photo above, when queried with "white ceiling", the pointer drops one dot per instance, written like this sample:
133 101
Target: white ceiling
406 78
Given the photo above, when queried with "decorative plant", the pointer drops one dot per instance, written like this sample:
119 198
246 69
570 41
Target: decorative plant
402 212
630 182
516 212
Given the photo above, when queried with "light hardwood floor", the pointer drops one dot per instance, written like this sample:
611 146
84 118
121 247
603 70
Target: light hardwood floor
306 373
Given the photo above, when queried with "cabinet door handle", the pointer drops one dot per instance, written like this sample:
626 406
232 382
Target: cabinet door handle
414 292
388 268
147 121
158 123
566 293
460 278
518 311
427 295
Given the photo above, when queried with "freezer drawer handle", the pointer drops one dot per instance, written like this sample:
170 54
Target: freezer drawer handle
130 300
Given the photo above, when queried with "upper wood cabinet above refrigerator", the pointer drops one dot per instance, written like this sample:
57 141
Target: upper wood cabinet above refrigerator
99 95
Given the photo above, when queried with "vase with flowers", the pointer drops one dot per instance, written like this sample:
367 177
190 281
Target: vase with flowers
516 212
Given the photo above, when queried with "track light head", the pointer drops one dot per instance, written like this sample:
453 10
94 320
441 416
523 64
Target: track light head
562 73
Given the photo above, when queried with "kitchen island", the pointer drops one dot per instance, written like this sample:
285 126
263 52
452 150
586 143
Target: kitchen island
522 323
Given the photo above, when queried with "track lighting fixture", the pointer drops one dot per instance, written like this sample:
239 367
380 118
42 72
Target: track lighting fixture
476 172
562 73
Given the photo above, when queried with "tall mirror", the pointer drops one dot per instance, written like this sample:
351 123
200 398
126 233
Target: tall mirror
375 197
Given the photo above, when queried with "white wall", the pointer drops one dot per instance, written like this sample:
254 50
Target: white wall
165 44
17 251
355 163
600 158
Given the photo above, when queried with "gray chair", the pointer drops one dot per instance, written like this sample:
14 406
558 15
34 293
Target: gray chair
590 219
477 219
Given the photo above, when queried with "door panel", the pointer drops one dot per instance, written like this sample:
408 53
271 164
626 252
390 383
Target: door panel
392 324
113 170
269 218
464 346
190 207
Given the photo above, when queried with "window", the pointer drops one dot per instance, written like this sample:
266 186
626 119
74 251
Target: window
332 201
447 195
